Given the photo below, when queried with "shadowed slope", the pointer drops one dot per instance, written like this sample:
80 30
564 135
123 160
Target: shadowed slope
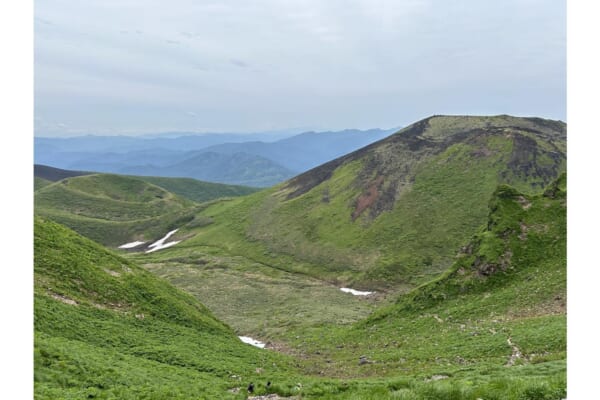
55 174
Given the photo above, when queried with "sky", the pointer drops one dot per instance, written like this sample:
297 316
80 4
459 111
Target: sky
134 67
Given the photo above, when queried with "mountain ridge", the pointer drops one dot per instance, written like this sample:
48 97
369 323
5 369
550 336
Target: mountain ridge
398 207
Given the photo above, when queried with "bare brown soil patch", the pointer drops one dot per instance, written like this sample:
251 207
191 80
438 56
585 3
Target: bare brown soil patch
368 198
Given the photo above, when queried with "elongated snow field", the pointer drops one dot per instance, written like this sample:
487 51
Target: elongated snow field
253 342
131 245
355 292
160 244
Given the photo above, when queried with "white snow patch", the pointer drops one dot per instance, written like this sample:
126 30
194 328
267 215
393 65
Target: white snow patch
163 246
161 241
160 244
355 292
130 245
251 341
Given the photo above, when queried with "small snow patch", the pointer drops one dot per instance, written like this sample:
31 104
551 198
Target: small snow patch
355 292
160 244
251 341
131 245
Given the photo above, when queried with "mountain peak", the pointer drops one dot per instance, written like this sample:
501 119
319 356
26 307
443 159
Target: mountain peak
427 137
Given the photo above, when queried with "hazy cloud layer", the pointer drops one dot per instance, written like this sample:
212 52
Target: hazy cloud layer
146 66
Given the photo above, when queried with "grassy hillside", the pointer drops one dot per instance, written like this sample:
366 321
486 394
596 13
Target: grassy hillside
198 191
509 281
492 326
105 328
39 183
113 209
393 213
498 314
189 188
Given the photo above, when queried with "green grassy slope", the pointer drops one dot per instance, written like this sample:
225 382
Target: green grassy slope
196 190
39 183
393 213
492 326
105 328
113 209
497 315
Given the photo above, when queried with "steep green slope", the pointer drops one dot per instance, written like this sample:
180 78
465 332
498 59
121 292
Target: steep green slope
393 213
106 328
198 190
113 209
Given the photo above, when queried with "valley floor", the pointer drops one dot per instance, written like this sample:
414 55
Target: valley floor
432 352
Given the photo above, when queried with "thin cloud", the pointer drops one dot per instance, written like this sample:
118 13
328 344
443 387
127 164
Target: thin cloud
336 64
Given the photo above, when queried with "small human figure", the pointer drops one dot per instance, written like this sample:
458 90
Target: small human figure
268 385
251 388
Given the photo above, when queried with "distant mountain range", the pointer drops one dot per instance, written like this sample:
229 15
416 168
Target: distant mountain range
223 158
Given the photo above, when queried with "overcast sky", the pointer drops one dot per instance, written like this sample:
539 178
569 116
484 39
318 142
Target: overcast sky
135 67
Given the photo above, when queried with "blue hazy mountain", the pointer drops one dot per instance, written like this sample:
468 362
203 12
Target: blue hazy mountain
223 158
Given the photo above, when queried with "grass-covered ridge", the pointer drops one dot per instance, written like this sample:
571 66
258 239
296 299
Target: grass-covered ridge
39 183
393 213
113 209
196 190
106 328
